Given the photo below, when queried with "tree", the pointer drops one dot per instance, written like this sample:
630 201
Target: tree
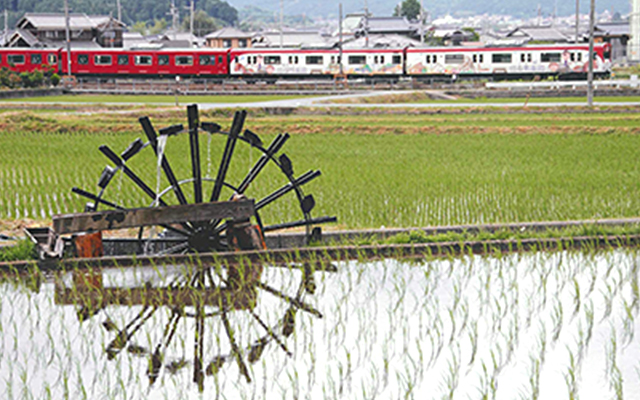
159 25
409 9
220 10
202 23
140 27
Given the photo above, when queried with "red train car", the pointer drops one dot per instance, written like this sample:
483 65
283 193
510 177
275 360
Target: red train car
147 63
21 60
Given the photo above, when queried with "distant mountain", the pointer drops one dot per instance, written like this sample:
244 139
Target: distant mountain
522 9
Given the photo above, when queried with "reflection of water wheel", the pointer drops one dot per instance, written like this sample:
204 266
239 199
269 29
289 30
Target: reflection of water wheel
208 302
136 163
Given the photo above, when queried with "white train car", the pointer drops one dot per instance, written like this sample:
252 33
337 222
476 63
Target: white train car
303 63
513 62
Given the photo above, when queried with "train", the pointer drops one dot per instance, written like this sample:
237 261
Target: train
564 61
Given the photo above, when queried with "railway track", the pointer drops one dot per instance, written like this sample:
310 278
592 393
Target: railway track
242 87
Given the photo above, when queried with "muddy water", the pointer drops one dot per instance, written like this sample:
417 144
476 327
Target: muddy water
546 325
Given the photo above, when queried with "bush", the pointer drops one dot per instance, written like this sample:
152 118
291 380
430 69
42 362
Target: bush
55 79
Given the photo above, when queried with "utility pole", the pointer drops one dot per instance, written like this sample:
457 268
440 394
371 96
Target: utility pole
119 11
592 18
192 17
340 54
68 36
577 20
281 19
175 15
422 21
366 24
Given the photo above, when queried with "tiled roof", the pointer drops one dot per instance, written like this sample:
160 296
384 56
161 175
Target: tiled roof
539 33
229 33
55 21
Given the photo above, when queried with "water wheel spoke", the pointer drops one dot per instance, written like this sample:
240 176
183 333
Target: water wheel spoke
273 148
270 332
136 179
192 115
235 349
174 249
302 222
293 301
198 372
155 363
166 166
95 198
123 336
302 180
236 128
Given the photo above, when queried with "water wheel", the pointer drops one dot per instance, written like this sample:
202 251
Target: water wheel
193 234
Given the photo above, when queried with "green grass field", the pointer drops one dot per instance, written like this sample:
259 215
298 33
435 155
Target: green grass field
151 99
377 170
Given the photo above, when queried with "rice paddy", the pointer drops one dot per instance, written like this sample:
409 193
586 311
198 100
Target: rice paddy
414 170
559 325
541 325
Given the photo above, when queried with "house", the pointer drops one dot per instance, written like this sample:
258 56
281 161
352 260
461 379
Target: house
450 35
290 39
174 40
228 37
380 41
617 34
49 30
539 34
387 26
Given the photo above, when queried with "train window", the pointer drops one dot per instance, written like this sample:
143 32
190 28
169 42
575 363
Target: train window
522 57
102 60
396 60
83 59
434 58
163 59
220 59
375 59
453 58
428 58
501 58
357 59
381 59
271 60
36 59
206 60
579 56
550 57
314 60
15 59
52 59
529 57
183 60
123 59
142 60
475 58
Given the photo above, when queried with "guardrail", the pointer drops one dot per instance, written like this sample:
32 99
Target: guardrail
597 84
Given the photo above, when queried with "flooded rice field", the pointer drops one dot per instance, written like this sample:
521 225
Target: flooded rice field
543 325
